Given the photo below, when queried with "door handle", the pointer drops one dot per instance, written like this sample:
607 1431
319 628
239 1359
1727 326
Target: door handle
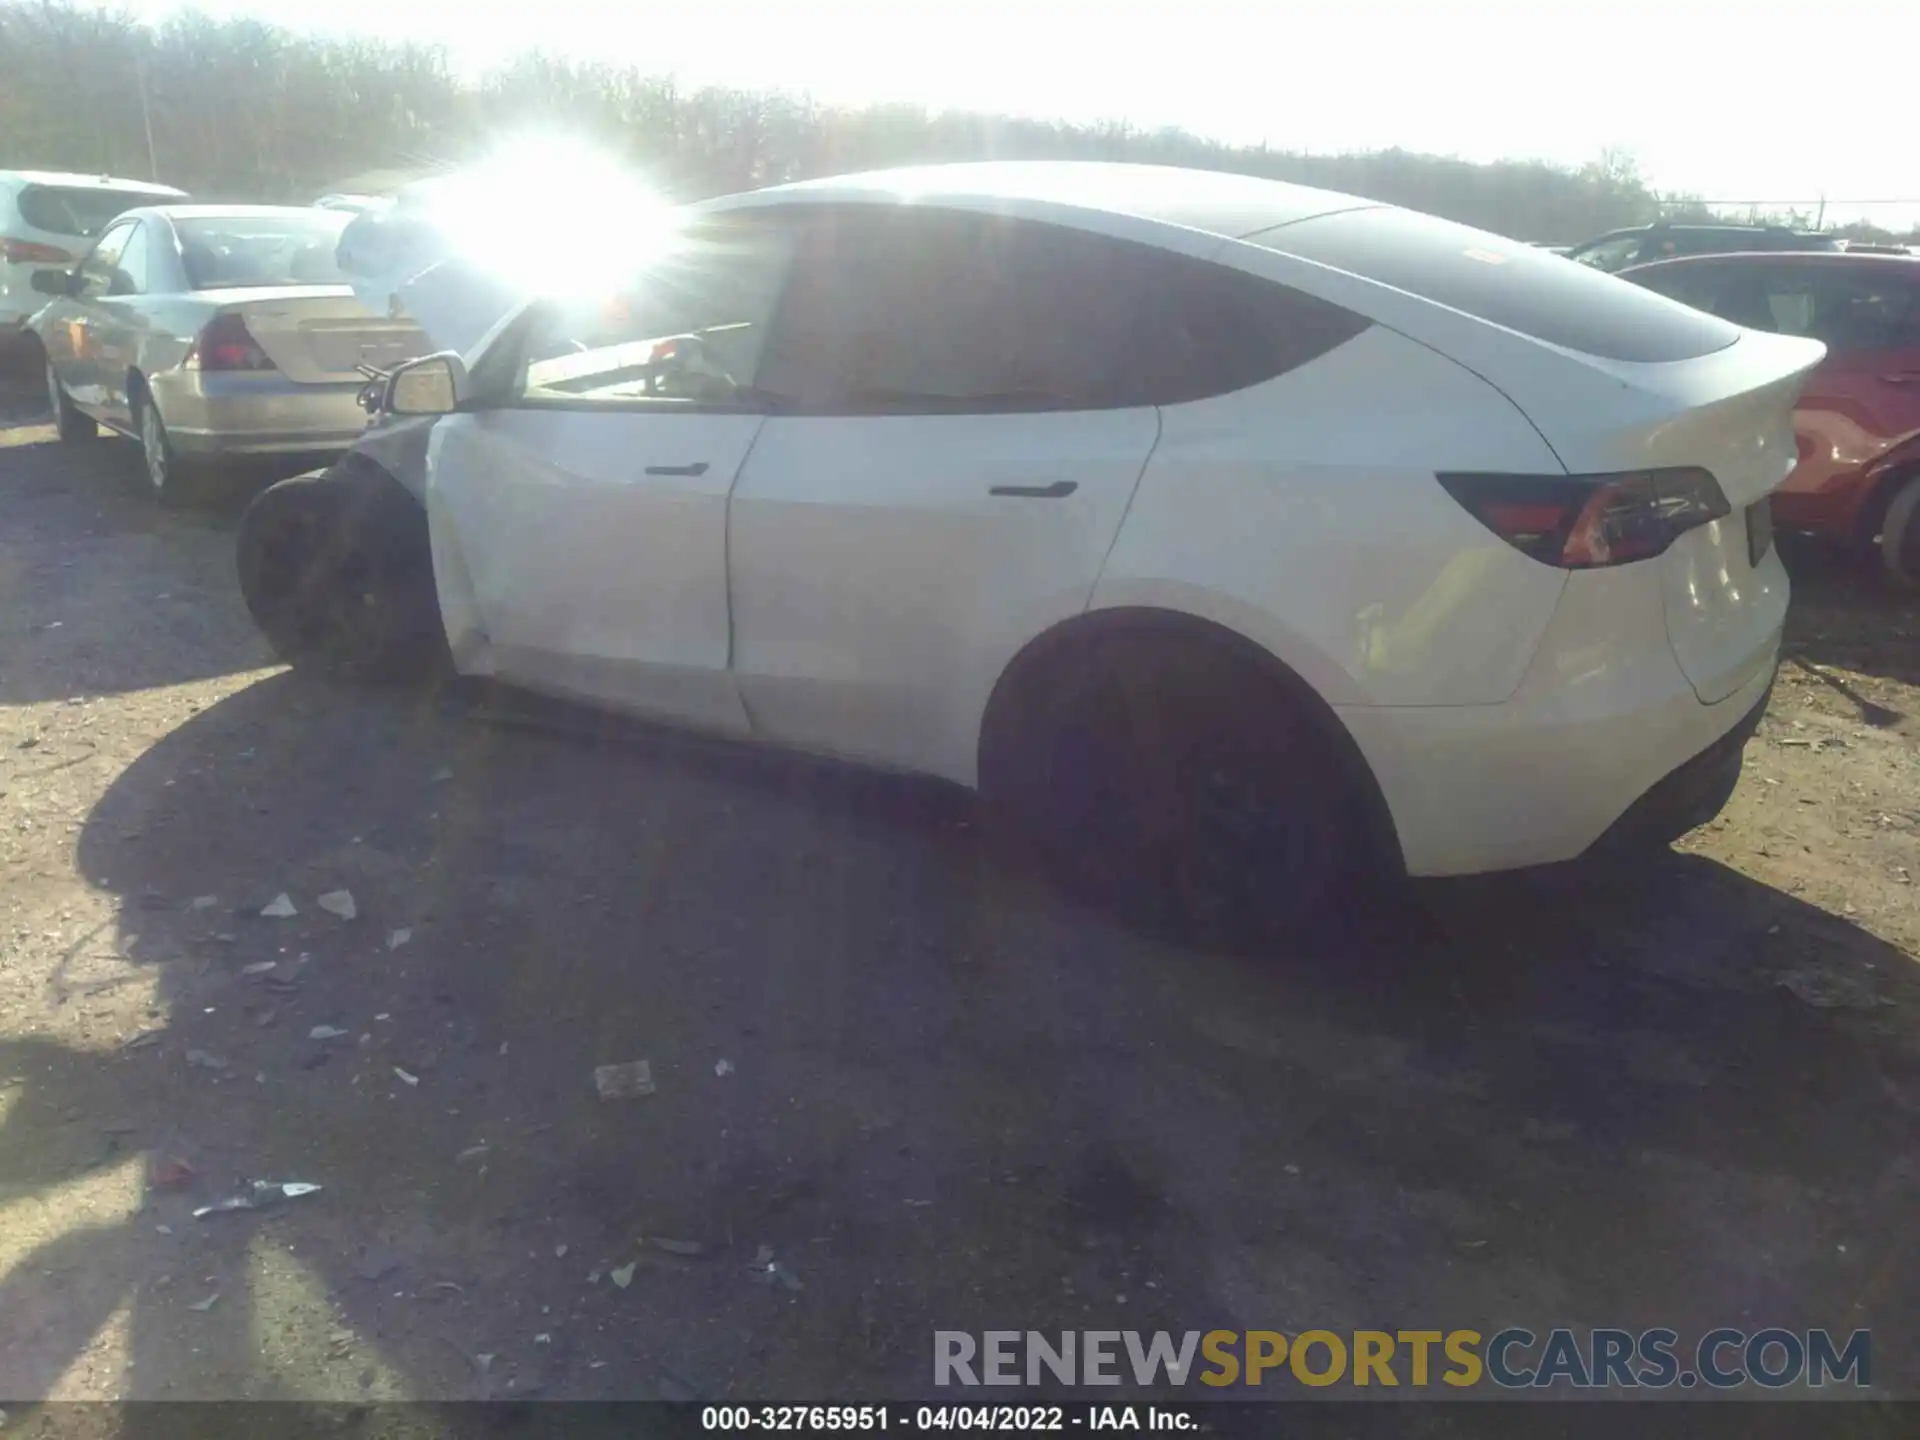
1901 377
1058 490
699 467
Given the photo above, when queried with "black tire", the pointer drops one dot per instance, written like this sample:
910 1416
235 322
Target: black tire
1900 537
338 574
72 426
1178 785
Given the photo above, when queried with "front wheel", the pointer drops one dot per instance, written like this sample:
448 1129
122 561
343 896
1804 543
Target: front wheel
337 572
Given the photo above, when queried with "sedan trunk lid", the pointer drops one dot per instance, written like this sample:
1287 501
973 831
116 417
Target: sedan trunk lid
320 335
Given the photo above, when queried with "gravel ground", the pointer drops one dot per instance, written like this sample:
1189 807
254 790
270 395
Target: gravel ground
938 1096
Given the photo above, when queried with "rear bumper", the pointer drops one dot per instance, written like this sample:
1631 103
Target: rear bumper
218 415
1604 716
1692 793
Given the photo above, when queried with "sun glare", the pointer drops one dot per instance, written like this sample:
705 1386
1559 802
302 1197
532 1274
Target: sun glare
553 215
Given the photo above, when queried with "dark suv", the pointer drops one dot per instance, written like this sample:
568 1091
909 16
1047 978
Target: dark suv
1618 249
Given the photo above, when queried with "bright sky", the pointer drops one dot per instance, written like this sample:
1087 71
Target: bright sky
1735 101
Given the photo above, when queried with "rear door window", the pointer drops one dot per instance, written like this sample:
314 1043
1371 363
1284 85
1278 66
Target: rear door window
71 210
1507 283
900 310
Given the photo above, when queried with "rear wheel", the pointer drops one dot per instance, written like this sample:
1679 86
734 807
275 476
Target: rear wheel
1900 536
336 570
71 425
170 480
1181 787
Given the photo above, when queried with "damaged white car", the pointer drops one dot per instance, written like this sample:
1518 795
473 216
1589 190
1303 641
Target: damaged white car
1233 537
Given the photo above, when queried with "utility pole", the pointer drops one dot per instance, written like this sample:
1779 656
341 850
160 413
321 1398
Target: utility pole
1822 215
146 116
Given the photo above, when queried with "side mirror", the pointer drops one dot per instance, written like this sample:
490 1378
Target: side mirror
431 385
54 282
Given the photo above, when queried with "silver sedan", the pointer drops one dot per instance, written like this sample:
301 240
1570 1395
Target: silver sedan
207 331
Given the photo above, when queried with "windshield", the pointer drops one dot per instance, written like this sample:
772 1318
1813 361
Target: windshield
72 210
242 251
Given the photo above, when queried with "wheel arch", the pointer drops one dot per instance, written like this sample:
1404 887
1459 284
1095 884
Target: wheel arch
1890 475
1026 675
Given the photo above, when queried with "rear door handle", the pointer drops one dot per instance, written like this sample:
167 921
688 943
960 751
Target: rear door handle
1058 490
699 467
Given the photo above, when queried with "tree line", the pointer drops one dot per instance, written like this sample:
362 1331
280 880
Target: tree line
241 110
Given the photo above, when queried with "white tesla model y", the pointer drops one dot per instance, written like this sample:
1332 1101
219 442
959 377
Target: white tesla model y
1230 535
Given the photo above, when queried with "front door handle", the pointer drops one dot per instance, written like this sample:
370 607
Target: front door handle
699 467
1058 490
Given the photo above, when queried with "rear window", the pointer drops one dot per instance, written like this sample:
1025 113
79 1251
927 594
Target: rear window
1507 283
241 251
73 210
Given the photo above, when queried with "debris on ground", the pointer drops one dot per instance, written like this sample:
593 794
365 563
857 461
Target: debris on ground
204 902
560 1252
473 1152
207 1304
687 1248
258 1195
205 1060
143 1040
169 1172
723 1067
624 1082
279 908
765 1270
338 902
622 1276
326 1032
397 938
259 967
406 1078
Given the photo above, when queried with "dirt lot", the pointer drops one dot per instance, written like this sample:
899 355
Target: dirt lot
1683 1096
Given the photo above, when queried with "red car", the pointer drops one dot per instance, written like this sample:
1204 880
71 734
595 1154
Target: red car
1859 418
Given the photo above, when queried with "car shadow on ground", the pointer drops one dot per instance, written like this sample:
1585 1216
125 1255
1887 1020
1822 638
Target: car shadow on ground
1847 615
84 545
898 1088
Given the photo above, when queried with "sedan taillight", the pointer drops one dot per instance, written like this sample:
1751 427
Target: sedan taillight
1585 522
31 252
227 344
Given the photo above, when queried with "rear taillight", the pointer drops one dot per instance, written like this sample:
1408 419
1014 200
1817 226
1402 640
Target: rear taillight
1583 522
31 252
227 344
